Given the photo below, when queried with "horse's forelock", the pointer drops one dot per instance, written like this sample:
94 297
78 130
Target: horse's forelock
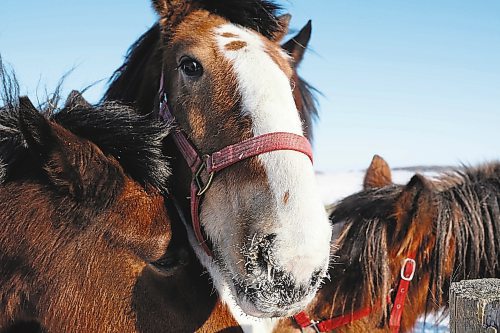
258 15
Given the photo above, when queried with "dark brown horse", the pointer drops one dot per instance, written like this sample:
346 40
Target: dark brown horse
228 79
449 225
85 237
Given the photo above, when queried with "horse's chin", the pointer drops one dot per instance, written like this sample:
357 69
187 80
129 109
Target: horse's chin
257 295
268 298
259 309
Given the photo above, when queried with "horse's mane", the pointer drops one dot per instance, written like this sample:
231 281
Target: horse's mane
363 246
468 206
137 80
134 140
467 219
309 110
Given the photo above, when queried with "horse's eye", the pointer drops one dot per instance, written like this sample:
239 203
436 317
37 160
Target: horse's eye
191 67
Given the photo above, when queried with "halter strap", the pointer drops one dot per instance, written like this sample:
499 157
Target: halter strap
227 156
406 276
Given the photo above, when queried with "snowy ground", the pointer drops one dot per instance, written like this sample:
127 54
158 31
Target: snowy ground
335 186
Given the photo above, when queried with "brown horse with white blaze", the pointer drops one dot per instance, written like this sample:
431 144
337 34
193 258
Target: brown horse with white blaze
228 80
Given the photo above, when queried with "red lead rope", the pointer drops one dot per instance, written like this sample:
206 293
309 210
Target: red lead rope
224 158
407 273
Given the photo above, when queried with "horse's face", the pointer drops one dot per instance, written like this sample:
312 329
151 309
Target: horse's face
263 216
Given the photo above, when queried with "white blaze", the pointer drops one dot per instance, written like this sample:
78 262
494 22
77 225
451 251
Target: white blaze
303 231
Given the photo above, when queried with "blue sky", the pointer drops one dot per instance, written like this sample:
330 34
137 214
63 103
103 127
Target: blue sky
417 82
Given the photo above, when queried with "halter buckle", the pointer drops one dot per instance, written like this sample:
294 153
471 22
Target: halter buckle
202 188
413 268
313 325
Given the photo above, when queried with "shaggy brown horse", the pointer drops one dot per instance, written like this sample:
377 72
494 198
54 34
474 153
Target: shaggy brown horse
85 232
449 225
228 80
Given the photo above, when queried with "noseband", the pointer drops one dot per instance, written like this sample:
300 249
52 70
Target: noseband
219 160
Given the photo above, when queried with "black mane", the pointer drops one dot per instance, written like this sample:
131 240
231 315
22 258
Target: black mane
258 15
118 130
136 81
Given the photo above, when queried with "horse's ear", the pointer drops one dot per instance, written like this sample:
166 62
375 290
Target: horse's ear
73 165
297 46
78 168
407 200
172 10
75 98
413 212
378 174
283 23
34 127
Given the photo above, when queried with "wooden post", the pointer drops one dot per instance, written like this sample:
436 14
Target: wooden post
475 306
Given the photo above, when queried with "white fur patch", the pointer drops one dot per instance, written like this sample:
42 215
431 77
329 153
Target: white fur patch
303 231
248 324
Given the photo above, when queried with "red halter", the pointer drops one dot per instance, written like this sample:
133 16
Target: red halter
407 272
224 158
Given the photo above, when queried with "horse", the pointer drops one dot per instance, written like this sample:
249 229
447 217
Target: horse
86 234
217 69
399 247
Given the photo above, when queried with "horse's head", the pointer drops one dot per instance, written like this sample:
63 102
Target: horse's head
400 246
92 181
375 230
228 79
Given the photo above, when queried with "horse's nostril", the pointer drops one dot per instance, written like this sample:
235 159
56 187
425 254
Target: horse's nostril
259 255
265 254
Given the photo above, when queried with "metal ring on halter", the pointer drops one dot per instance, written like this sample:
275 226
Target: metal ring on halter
414 266
197 178
314 325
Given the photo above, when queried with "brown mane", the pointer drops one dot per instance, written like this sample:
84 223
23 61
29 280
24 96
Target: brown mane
453 223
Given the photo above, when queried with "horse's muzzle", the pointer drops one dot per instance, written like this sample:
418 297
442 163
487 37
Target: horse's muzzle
268 290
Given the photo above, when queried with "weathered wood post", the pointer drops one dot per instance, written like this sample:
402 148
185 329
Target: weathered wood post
475 306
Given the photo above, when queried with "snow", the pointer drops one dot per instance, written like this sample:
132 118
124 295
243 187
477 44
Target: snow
335 186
